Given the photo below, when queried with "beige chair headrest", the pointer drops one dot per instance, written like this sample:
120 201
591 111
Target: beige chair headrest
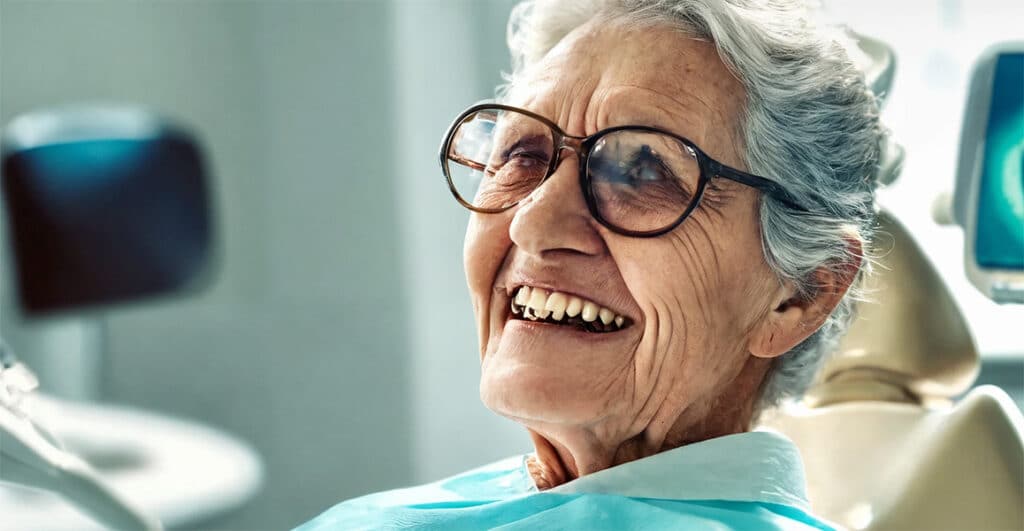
909 342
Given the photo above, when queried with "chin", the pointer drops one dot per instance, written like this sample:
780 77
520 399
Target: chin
534 394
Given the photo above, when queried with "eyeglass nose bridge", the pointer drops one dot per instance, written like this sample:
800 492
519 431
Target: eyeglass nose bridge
572 143
566 143
562 143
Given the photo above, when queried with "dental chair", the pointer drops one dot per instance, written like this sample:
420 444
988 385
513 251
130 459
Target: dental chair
885 442
884 445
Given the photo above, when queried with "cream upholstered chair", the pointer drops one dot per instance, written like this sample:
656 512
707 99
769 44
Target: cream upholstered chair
884 445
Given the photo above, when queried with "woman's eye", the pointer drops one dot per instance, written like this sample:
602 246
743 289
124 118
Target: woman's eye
647 171
526 158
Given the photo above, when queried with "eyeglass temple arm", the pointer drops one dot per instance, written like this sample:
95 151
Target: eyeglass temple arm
767 186
466 162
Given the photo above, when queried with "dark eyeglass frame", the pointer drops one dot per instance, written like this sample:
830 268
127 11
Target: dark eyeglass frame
583 146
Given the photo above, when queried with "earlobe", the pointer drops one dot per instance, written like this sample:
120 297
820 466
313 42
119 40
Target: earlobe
798 316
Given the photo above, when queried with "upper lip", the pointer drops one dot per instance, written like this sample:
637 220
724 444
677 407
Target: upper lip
568 288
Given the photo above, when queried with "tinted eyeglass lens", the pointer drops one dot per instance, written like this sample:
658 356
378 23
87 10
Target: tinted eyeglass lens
642 181
496 157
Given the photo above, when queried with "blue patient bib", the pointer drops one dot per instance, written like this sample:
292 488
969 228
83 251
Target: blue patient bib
745 481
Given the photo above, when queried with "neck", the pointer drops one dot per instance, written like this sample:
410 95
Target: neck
565 453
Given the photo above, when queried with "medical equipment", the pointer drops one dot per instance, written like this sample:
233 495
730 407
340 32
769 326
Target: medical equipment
106 204
31 456
989 196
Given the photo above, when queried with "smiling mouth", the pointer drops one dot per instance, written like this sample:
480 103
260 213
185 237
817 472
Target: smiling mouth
553 307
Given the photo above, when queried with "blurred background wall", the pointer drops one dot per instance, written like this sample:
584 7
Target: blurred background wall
338 338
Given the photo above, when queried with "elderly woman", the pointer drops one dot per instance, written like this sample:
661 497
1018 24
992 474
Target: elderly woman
669 209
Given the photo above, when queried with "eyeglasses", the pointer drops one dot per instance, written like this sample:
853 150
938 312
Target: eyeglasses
638 181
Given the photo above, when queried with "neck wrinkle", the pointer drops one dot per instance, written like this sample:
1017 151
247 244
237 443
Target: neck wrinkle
547 468
556 464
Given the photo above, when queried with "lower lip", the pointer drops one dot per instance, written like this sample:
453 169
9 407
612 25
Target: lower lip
578 333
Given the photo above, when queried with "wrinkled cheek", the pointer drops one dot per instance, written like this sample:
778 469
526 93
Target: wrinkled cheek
480 257
654 276
471 246
678 352
484 249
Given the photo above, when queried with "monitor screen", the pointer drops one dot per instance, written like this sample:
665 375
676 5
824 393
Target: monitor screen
999 229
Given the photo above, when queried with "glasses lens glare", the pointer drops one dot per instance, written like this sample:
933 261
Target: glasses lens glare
496 158
642 181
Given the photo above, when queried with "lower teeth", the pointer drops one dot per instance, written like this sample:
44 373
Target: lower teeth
524 313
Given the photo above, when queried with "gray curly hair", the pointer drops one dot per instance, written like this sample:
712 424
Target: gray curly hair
810 122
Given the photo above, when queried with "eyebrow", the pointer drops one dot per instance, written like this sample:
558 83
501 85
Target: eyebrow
694 130
622 111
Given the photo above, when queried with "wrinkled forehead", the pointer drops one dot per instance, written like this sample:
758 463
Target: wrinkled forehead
605 74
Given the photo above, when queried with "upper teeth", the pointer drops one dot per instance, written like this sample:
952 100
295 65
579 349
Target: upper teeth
538 303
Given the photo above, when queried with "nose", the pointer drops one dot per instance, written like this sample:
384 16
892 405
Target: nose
555 217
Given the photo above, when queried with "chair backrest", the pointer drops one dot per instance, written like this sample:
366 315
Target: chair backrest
883 444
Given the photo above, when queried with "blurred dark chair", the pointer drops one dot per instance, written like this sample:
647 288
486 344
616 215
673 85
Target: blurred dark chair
105 204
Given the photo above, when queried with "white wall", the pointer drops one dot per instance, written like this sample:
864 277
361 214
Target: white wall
301 347
439 74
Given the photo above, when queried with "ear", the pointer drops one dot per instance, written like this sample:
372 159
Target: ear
793 318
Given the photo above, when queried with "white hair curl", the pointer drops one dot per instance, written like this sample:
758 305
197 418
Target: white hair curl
810 123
